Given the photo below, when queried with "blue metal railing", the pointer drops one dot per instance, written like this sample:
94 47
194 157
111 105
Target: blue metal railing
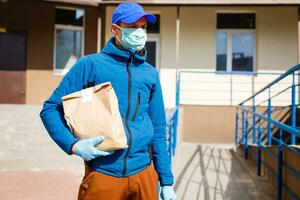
172 120
275 131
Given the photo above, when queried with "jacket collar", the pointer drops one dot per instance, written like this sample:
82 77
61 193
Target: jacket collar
111 49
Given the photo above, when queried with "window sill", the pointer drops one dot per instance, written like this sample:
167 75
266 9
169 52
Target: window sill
237 72
60 72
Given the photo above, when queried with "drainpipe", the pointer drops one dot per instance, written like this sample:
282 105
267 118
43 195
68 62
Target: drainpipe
298 100
177 37
298 35
177 53
101 27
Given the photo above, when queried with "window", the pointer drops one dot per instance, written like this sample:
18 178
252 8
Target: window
154 28
235 41
69 26
153 42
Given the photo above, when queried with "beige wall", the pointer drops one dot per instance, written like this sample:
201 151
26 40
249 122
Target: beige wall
277 37
276 32
39 85
197 37
207 124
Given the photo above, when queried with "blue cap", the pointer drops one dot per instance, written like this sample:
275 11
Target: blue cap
130 12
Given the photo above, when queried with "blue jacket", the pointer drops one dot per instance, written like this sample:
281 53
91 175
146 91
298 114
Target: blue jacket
137 86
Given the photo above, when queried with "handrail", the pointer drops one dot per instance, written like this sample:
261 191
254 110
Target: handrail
277 123
282 76
171 123
273 127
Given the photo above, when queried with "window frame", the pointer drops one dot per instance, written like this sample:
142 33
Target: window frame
155 37
62 72
230 32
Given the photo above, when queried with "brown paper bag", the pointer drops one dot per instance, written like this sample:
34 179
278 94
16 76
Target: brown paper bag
94 112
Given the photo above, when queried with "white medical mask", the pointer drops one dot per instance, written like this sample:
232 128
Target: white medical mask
133 38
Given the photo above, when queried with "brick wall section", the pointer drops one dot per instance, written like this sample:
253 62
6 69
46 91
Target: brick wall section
25 143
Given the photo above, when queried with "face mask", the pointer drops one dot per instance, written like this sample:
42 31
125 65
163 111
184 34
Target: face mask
133 38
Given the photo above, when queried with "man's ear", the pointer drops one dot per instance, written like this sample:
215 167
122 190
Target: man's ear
113 29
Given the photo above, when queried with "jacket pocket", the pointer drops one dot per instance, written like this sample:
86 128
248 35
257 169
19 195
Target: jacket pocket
136 106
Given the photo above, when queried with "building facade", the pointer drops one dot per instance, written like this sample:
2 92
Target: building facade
225 50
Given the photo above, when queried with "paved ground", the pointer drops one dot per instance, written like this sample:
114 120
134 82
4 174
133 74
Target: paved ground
39 185
202 172
32 167
216 172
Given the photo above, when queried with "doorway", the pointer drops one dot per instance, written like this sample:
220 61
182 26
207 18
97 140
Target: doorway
12 67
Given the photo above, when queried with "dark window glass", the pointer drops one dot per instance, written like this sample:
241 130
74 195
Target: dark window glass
221 51
154 28
69 17
68 47
242 51
236 21
151 52
13 51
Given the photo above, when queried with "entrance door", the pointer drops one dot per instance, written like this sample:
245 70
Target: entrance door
12 67
152 47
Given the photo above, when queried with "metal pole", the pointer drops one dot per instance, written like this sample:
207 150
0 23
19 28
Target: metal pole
293 108
243 127
237 126
170 141
175 130
269 119
246 139
279 175
259 152
254 123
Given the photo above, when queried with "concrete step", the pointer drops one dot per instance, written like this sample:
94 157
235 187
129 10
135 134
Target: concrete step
25 143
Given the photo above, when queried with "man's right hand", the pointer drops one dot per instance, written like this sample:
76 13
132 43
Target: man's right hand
86 148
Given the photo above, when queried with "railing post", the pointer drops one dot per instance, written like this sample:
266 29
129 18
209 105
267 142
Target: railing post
269 119
293 108
259 152
246 138
170 142
279 175
175 122
237 126
243 127
254 123
178 90
177 102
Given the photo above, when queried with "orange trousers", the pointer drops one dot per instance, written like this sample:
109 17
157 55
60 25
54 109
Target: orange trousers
140 186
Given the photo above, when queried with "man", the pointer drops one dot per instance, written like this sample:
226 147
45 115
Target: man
128 173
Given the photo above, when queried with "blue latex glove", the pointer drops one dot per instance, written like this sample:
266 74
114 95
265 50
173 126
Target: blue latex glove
168 193
86 148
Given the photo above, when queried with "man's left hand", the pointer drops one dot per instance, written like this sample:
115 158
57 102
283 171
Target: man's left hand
168 193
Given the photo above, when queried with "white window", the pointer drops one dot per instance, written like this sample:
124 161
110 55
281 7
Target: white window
69 42
235 42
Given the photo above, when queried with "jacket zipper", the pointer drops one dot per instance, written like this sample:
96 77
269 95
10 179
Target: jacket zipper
128 112
136 107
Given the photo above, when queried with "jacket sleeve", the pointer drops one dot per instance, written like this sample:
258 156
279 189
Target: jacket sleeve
157 115
52 113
